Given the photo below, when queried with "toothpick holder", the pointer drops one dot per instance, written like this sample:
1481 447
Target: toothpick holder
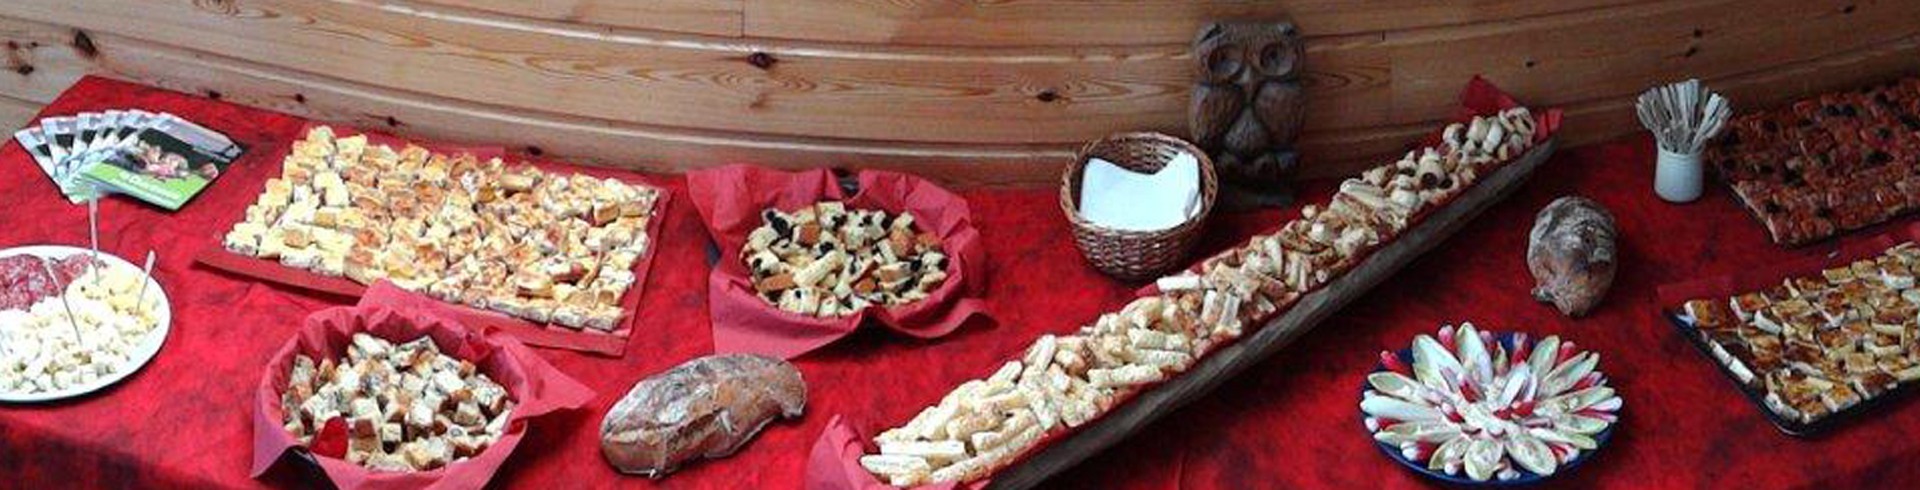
1677 176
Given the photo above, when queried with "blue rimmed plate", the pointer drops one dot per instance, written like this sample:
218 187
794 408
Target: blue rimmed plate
1505 341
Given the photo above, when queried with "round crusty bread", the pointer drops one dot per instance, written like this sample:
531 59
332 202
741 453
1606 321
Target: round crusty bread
1571 253
707 407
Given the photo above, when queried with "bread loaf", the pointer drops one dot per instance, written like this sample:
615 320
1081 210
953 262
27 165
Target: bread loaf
708 407
1571 254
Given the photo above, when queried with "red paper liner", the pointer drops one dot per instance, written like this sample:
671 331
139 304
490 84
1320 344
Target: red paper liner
535 386
834 463
612 344
730 200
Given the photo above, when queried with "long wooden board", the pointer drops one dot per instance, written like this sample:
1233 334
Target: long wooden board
1217 367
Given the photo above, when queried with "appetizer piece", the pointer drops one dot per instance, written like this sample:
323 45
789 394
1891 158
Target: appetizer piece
545 247
406 407
1467 404
1820 343
1828 164
705 408
72 328
1062 382
829 261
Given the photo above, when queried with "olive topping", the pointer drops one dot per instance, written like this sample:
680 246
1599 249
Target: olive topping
781 226
1791 177
1878 158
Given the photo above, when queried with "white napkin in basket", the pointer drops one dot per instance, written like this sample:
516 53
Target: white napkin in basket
1122 199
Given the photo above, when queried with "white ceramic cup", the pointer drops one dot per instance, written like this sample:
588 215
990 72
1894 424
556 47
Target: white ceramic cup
1677 176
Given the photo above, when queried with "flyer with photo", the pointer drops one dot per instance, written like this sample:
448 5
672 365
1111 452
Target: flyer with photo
154 157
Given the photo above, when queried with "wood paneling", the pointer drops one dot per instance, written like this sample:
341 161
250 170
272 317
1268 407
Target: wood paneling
1022 23
715 17
696 85
427 116
978 92
16 113
38 61
1656 43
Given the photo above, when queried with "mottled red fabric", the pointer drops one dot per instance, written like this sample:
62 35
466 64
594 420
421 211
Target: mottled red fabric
1292 421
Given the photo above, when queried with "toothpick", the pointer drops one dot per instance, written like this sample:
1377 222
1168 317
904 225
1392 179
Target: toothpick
140 300
93 225
72 321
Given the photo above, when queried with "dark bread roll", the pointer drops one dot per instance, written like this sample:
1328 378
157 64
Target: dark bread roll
708 407
1572 255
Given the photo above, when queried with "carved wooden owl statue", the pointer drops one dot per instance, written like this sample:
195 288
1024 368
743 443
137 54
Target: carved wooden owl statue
1247 109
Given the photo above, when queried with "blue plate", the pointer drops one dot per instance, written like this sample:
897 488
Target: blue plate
1526 477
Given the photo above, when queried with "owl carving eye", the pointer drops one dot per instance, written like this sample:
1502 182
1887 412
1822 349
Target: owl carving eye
1277 59
1224 63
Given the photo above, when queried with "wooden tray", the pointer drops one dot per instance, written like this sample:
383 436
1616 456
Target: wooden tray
1308 312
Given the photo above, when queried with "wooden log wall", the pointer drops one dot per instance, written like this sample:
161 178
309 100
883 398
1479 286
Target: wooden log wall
970 92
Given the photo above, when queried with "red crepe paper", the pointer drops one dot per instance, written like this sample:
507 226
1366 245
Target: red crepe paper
834 463
611 344
536 388
332 441
730 200
1482 97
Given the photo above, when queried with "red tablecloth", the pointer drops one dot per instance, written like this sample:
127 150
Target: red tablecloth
1291 421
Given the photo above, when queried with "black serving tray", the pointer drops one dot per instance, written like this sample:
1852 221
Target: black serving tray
1757 396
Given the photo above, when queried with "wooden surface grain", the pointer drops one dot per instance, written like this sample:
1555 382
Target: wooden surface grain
15 112
967 92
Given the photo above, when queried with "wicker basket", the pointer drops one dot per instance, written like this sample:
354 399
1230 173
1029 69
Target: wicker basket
1136 255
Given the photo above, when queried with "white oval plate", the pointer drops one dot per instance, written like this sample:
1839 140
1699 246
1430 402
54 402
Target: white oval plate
142 353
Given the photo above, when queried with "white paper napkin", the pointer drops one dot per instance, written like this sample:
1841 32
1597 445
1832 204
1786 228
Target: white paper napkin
1122 199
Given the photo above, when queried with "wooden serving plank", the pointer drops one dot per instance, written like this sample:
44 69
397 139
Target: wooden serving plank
1308 312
